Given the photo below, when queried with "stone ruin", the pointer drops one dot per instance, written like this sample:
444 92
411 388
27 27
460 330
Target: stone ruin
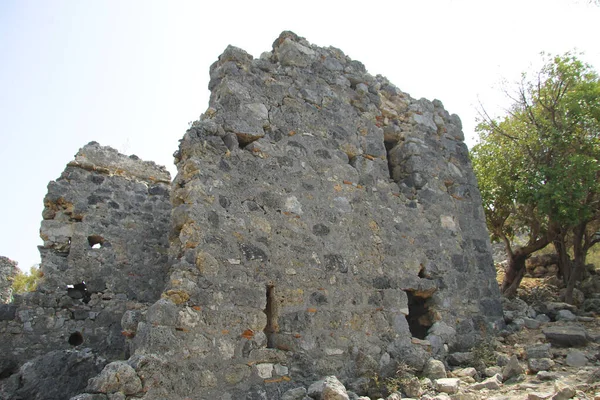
322 222
8 270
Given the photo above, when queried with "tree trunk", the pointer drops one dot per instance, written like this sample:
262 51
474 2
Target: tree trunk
516 265
514 274
564 261
577 266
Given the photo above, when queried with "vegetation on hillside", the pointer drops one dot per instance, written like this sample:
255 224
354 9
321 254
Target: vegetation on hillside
538 168
26 282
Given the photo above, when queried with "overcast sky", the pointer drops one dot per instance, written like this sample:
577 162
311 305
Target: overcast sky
132 74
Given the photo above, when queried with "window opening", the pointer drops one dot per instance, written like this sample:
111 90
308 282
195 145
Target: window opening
76 339
95 241
79 292
272 327
388 147
419 316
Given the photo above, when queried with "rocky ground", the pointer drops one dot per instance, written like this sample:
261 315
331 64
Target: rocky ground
549 350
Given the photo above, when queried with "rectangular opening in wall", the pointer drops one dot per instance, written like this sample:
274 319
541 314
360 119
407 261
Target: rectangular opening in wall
419 315
272 327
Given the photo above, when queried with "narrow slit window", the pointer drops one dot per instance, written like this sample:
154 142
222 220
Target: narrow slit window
272 327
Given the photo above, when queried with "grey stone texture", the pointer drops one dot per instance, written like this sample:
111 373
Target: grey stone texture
323 217
106 211
322 222
104 260
56 375
566 336
8 270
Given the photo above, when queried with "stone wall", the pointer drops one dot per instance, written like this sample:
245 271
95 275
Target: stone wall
324 222
104 259
8 270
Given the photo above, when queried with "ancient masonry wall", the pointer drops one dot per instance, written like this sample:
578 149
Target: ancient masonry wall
324 222
8 270
104 260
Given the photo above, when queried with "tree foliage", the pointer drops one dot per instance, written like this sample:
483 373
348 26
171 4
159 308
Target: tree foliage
538 166
26 282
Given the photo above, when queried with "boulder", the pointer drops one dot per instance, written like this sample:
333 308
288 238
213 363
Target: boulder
434 369
512 369
333 389
567 336
447 385
492 383
576 358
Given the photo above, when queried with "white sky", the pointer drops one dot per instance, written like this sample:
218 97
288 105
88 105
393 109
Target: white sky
132 74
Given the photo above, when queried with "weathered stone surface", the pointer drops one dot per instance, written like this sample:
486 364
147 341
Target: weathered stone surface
491 371
117 376
565 315
321 222
567 336
492 383
8 270
434 369
105 210
333 389
57 375
539 395
540 364
105 232
538 351
412 388
464 372
460 358
87 396
547 376
576 358
294 394
447 385
512 369
562 391
8 312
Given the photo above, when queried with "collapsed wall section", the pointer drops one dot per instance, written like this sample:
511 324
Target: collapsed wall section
324 222
104 259
8 270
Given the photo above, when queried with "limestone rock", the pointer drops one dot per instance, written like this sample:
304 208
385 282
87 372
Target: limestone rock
464 372
491 371
50 377
460 358
447 385
547 376
434 369
568 336
492 383
512 369
562 391
87 396
294 394
539 395
538 351
565 315
412 388
576 358
540 364
333 389
117 376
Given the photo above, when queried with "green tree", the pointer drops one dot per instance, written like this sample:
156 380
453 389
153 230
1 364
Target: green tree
538 168
26 282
